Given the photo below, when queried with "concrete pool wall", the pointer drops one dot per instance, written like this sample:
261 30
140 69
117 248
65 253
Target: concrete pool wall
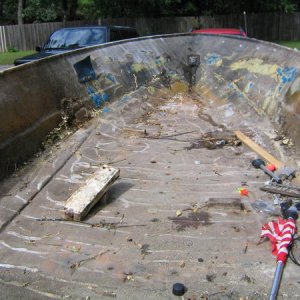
235 69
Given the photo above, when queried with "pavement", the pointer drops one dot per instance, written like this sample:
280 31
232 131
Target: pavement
174 215
4 67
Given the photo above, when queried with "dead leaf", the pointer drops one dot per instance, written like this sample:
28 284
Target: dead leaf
178 213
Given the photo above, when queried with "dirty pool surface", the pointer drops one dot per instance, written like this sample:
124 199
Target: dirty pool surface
174 215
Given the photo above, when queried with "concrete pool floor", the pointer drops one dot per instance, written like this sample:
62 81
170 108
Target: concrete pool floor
154 229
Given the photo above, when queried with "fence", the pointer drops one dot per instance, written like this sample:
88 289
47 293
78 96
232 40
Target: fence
267 26
28 36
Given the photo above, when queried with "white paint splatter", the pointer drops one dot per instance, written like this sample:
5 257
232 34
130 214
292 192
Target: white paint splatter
22 249
8 266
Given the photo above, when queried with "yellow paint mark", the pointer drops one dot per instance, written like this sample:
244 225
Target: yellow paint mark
151 90
269 105
208 94
137 67
179 87
255 65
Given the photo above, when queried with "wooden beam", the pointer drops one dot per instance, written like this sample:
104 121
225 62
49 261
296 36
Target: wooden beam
262 153
259 150
95 187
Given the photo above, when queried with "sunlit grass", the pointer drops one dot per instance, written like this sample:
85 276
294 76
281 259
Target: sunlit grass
290 44
8 58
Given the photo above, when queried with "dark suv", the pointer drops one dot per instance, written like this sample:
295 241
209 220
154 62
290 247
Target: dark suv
68 39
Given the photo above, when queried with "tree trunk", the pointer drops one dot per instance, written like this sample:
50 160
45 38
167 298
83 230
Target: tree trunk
69 8
20 12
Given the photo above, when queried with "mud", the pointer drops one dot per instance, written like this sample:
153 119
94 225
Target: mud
193 220
213 140
226 203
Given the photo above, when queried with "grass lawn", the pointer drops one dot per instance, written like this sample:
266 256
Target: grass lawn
290 44
7 58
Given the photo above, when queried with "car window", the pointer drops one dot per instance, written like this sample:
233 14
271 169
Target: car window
79 37
120 33
114 35
128 34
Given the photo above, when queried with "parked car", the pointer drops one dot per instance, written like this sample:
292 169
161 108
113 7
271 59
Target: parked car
229 31
68 39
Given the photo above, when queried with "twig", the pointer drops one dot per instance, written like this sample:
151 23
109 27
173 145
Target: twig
76 265
216 293
102 224
261 240
246 248
195 208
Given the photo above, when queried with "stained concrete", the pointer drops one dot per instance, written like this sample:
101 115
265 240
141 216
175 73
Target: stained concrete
136 245
238 69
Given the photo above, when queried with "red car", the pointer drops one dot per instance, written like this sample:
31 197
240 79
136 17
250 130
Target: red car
230 31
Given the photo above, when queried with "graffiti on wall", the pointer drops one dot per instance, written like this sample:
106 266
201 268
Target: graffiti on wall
245 73
129 74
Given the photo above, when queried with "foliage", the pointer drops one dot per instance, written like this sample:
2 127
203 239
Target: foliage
51 10
39 11
9 10
12 49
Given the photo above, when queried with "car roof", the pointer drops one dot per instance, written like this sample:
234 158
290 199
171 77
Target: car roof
97 26
232 31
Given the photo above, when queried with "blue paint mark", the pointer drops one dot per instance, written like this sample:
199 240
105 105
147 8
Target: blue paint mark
235 89
111 78
98 99
287 75
230 85
158 60
90 90
213 59
106 110
105 97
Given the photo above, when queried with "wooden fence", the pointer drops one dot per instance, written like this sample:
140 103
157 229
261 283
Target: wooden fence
28 36
268 26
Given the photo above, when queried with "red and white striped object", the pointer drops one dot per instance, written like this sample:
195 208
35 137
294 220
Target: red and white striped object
280 233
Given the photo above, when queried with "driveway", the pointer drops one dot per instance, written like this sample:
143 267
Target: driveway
4 67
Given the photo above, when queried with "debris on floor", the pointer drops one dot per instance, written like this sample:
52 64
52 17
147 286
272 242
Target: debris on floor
225 203
80 203
282 189
194 220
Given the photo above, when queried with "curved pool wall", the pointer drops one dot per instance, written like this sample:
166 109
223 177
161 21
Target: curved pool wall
237 69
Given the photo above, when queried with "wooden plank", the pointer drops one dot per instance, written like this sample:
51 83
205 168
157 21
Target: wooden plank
259 150
95 187
263 153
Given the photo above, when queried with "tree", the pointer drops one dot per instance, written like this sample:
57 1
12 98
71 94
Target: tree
12 11
20 12
40 11
69 9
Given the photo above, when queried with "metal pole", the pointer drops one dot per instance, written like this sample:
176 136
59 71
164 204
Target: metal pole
276 281
245 22
270 173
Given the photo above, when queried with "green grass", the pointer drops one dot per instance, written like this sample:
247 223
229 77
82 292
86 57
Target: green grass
290 44
7 58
